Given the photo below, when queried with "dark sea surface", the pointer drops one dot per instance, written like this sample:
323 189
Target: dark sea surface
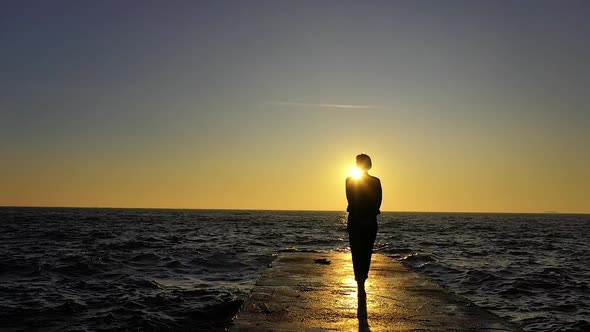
126 269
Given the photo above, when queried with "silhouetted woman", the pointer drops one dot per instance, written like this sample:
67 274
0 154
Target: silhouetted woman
364 200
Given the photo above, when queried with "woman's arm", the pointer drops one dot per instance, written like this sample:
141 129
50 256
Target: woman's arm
348 193
379 196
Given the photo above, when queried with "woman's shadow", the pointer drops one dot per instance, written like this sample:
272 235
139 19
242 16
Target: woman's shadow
362 313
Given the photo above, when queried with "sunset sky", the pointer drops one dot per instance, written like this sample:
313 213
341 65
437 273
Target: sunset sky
462 105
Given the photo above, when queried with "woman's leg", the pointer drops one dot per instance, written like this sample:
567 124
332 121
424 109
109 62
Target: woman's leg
356 250
362 238
368 243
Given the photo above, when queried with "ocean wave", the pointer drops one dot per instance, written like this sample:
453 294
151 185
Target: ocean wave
95 269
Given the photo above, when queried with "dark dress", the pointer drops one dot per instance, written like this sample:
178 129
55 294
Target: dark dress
364 197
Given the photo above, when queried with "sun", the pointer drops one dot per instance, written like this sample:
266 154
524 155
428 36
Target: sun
355 173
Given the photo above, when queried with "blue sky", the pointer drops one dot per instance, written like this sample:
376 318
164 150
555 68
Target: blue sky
261 84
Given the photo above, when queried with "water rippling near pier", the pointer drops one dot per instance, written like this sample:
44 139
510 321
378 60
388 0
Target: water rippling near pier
104 269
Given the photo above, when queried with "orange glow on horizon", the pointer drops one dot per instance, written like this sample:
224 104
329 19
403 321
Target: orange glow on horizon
412 181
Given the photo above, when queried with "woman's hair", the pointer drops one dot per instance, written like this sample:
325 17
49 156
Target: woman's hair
363 162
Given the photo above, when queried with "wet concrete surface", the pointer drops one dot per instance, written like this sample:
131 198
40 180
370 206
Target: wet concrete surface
300 292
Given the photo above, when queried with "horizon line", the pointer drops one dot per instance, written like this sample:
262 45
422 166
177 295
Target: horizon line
286 210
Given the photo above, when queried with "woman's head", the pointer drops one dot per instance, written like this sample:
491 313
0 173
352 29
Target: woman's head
363 162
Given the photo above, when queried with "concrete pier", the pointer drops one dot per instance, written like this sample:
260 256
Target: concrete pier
302 292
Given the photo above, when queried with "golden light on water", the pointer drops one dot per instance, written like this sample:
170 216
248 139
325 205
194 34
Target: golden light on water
351 284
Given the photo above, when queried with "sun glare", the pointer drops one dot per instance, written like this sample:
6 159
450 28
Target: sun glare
355 173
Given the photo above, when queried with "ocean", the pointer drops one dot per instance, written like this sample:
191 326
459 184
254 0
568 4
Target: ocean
69 269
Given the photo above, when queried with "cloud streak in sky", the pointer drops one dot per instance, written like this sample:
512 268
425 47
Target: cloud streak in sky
322 105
